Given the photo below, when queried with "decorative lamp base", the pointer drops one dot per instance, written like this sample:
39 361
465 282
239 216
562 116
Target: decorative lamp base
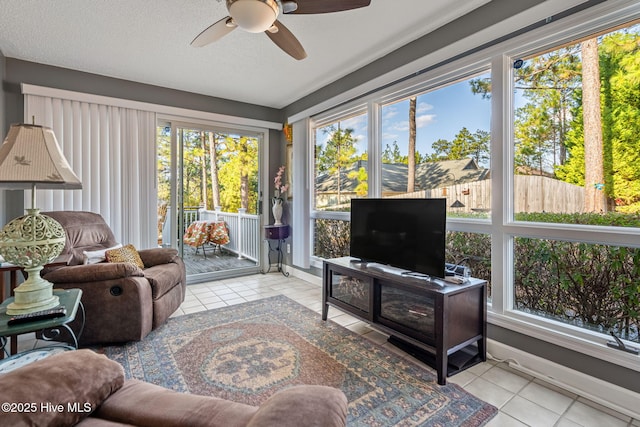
18 308
34 294
32 241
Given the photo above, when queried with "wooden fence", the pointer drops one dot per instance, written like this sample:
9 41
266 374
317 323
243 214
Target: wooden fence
532 194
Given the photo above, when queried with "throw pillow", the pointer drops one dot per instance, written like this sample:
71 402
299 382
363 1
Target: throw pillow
127 253
97 256
80 379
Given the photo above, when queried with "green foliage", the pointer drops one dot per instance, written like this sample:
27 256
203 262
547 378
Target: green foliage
611 218
339 151
238 173
338 154
472 250
550 83
392 155
589 285
163 165
533 136
620 55
237 169
464 145
331 238
361 175
482 87
549 129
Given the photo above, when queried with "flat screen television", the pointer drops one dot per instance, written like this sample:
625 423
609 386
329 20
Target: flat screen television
404 233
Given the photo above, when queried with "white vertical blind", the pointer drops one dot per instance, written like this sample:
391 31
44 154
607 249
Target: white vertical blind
112 150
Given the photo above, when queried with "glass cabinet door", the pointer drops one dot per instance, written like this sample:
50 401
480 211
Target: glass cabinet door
411 312
350 290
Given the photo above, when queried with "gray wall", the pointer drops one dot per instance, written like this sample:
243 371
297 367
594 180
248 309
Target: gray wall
18 71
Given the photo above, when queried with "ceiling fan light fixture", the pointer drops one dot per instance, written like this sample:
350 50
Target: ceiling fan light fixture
254 16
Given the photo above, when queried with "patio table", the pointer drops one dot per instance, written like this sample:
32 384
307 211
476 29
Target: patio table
199 233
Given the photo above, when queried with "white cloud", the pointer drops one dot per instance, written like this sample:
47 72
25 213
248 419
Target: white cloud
389 113
425 120
423 107
401 126
357 122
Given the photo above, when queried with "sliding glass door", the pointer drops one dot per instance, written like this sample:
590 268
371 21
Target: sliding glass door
209 198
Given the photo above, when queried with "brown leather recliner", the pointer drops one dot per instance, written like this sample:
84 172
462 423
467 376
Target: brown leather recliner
122 302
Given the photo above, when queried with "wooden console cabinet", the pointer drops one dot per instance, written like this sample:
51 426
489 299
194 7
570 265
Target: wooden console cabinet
443 326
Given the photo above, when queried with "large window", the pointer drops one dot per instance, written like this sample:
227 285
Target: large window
575 163
436 144
576 128
341 173
341 170
543 198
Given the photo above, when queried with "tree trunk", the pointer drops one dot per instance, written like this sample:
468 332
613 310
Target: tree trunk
213 160
244 177
411 155
594 200
204 172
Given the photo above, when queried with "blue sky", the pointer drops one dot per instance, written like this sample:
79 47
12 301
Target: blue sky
440 114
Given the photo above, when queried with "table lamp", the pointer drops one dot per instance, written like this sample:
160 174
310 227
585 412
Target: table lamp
30 156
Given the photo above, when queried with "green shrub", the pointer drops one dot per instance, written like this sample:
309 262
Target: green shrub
331 238
593 286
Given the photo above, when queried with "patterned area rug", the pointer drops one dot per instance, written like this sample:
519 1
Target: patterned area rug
249 351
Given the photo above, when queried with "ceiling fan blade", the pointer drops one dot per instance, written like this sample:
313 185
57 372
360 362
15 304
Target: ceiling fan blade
286 41
327 6
214 32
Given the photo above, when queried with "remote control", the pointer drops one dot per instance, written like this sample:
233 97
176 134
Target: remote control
37 315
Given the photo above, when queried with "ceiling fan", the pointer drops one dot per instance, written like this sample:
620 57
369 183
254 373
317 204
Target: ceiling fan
256 16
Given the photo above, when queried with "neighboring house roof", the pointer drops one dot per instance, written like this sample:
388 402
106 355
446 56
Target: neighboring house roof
394 176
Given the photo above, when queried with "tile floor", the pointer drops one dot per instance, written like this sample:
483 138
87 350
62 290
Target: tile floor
522 400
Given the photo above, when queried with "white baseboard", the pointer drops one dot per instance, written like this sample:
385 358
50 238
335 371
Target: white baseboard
610 395
311 278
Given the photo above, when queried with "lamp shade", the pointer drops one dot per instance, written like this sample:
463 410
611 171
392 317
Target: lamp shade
30 155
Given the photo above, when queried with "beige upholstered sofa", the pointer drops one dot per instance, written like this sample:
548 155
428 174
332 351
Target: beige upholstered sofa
85 388
122 301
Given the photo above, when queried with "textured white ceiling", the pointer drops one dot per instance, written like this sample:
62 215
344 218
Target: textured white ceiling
148 41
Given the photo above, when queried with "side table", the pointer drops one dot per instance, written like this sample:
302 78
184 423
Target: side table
277 233
69 298
12 269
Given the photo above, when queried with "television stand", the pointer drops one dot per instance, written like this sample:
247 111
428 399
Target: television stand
441 324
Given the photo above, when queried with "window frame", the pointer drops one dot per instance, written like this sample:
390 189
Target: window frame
498 58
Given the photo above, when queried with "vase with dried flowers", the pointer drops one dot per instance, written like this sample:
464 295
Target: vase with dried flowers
278 198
